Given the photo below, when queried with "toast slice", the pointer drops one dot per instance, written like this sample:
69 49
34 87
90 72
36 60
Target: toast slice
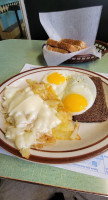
99 111
66 46
53 43
56 49
79 43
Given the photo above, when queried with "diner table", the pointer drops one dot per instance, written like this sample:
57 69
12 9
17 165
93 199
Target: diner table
13 56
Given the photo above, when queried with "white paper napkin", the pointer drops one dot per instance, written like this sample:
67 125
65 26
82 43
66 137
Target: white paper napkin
79 24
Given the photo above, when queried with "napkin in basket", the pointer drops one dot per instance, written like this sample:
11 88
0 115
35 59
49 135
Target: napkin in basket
79 24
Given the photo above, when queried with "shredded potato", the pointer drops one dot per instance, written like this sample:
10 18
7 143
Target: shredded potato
67 130
21 126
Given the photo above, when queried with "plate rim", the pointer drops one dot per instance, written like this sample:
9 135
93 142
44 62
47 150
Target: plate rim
53 160
38 68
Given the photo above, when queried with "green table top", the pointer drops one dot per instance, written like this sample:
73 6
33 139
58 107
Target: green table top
13 56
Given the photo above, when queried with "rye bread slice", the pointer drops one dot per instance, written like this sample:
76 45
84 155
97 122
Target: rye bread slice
99 111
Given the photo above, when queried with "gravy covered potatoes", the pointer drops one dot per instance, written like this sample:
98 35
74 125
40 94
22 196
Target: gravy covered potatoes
35 116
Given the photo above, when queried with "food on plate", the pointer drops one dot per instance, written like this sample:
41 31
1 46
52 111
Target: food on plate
81 91
99 111
76 90
65 45
43 112
58 80
50 48
35 117
81 95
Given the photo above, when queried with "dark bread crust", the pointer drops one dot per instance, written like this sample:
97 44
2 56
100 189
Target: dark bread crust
99 111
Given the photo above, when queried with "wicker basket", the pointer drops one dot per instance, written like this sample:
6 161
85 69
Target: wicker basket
100 46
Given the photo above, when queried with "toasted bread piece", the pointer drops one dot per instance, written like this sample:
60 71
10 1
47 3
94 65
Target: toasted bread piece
99 111
69 47
53 43
56 49
75 42
77 47
65 45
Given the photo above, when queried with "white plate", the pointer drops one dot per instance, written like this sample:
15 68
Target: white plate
94 135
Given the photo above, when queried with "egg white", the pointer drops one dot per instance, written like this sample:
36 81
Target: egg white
75 83
81 84
59 89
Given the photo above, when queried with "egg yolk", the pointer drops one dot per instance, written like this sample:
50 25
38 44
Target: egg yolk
56 78
75 102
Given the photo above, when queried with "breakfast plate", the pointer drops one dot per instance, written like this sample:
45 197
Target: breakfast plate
94 136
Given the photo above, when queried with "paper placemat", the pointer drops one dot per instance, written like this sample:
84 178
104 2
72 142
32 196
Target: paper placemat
97 166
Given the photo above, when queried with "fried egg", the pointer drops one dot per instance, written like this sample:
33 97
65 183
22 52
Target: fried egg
79 94
58 80
76 90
